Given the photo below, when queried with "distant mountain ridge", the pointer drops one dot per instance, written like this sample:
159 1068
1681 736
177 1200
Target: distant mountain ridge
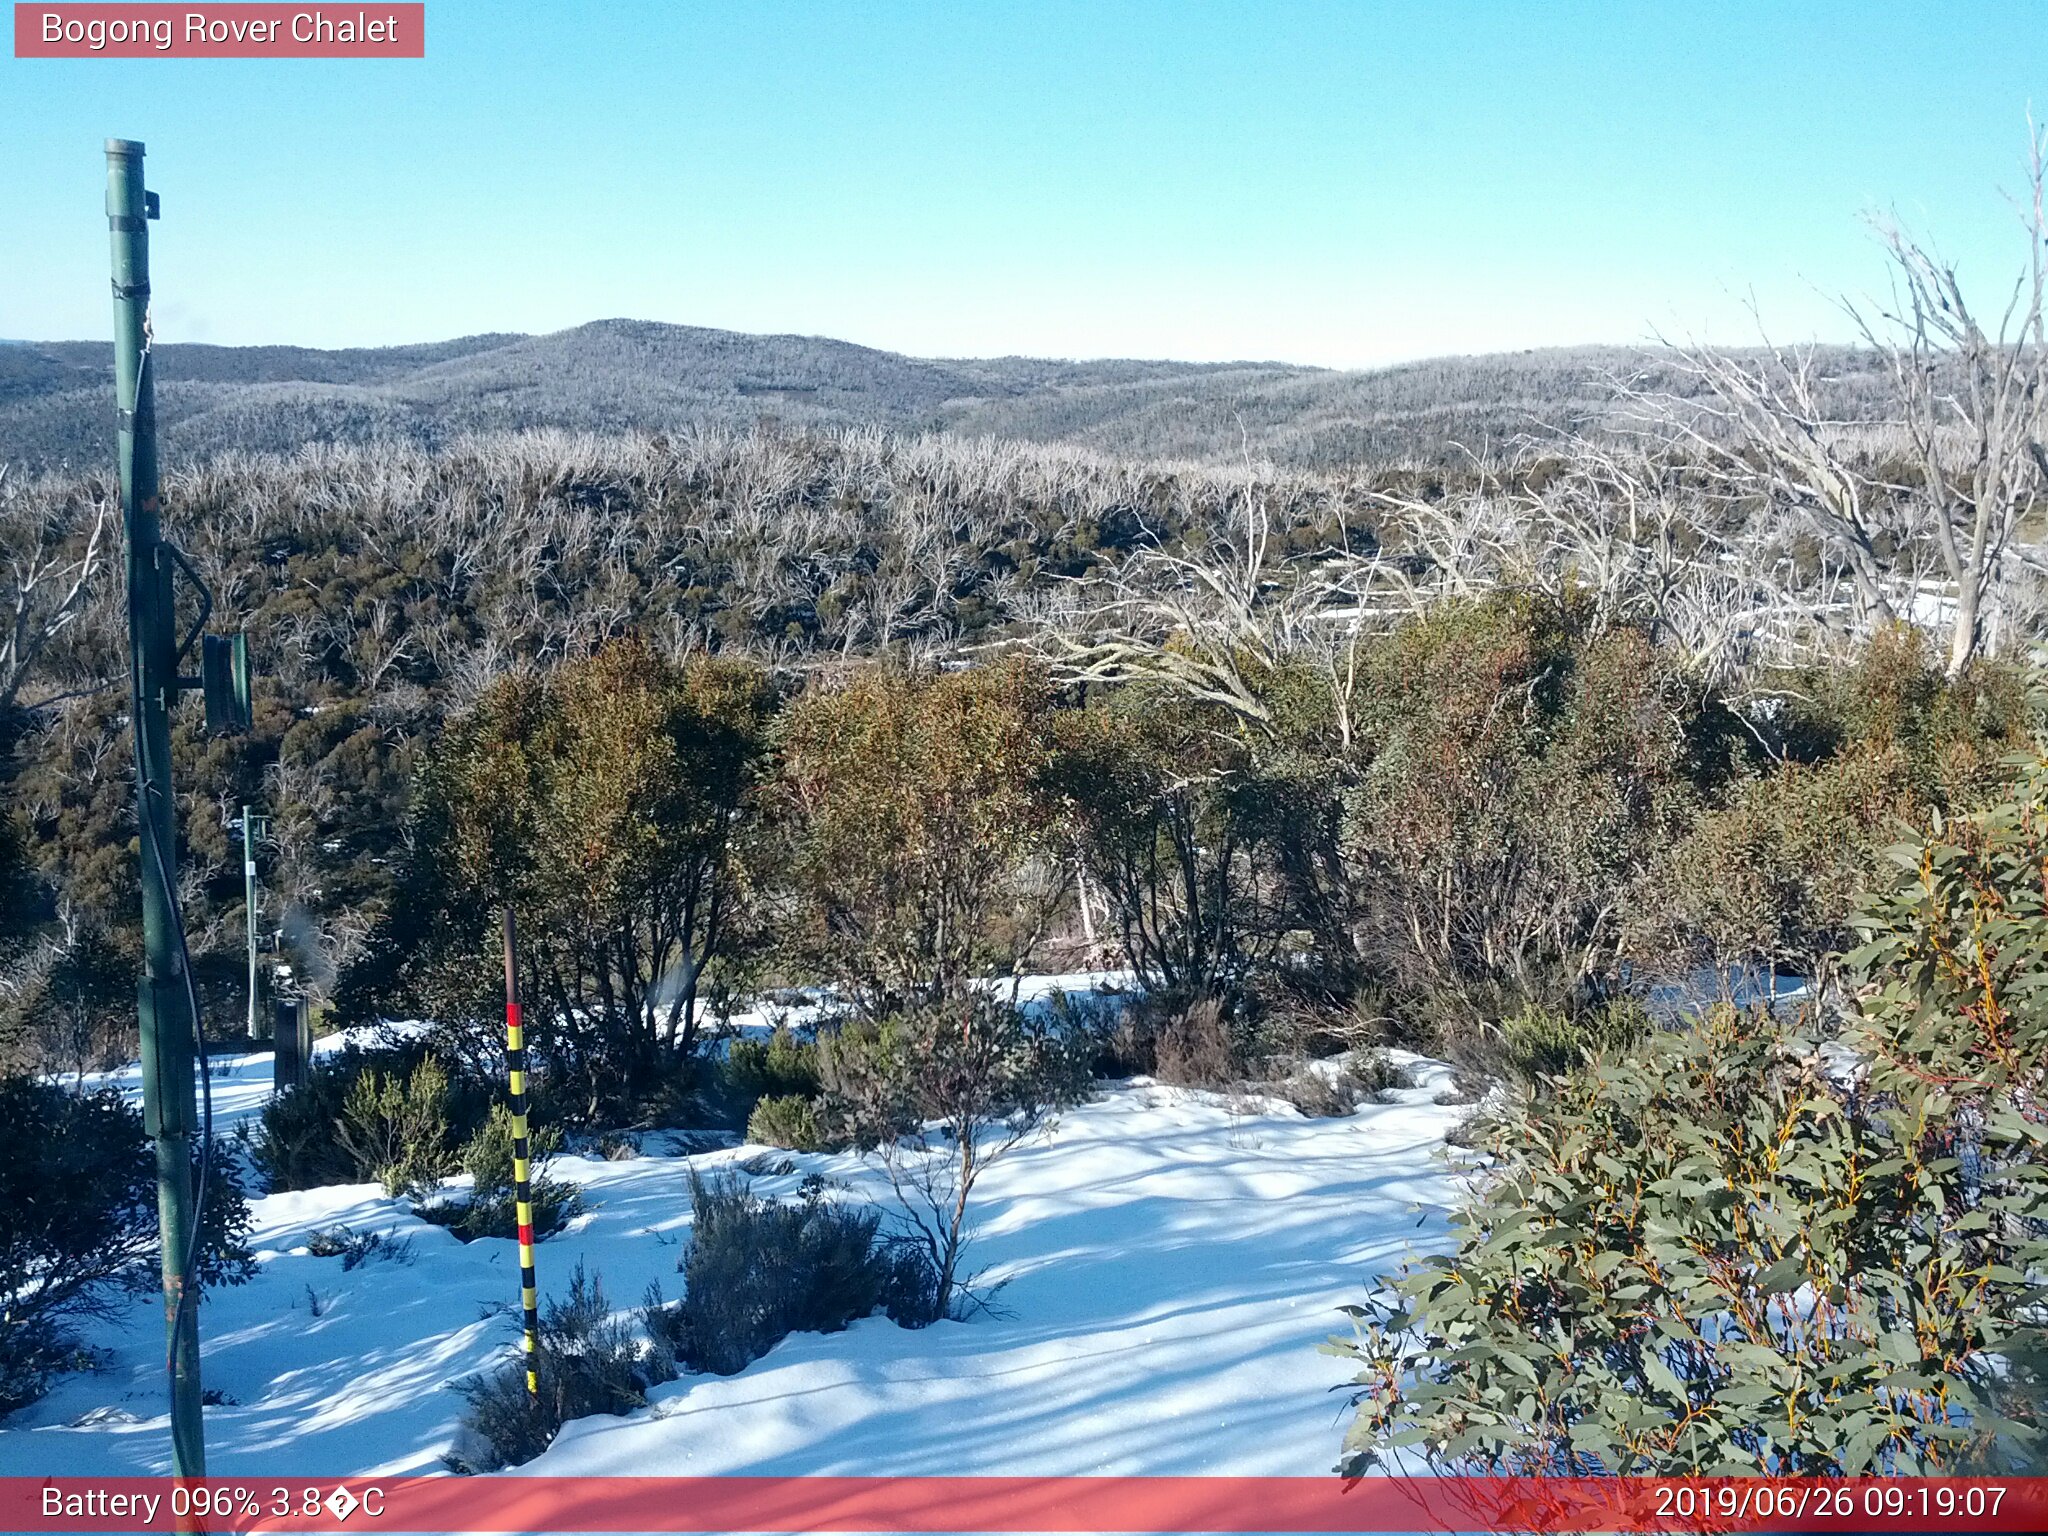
613 375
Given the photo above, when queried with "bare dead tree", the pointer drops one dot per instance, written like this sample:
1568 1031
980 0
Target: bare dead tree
1210 624
48 577
1975 401
1970 407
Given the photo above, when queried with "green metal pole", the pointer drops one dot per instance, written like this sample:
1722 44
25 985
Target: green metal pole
165 997
249 906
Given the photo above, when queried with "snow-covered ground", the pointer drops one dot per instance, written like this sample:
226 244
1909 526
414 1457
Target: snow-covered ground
1170 1261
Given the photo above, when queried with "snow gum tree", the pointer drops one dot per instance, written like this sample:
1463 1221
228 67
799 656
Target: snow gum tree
609 802
926 846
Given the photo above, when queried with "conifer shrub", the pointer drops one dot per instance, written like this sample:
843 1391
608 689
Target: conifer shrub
335 1129
772 1086
296 1146
590 1362
784 1063
1541 1042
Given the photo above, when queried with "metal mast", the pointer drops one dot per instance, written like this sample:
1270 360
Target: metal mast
167 1009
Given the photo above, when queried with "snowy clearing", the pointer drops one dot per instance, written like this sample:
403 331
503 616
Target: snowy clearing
1169 1262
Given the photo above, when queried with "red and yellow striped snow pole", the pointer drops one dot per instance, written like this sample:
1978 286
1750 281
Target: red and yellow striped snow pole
522 1173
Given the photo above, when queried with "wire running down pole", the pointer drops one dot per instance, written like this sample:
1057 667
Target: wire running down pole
249 913
522 1171
167 1005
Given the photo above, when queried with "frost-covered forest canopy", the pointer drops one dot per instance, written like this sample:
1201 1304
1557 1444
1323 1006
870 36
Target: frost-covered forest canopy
1541 716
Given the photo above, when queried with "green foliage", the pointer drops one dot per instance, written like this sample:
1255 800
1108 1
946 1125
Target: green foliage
1771 877
78 1225
72 1006
784 1066
397 1130
1542 1042
491 1208
786 1120
914 808
1957 944
1725 1251
296 1146
1162 799
589 1362
758 1271
304 1139
608 801
1520 766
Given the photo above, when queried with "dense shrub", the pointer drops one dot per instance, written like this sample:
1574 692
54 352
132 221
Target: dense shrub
785 1065
918 819
1769 879
1163 800
589 1362
296 1145
1541 1042
78 1225
608 801
1197 1046
1711 1256
70 1006
758 1271
782 1063
786 1120
396 1130
490 1208
1520 765
306 1137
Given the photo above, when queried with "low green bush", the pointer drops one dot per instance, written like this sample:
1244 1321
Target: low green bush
1542 1042
783 1064
296 1146
397 1130
490 1209
786 1120
1706 1256
336 1128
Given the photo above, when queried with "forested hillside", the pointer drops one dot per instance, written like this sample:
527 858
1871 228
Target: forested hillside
619 375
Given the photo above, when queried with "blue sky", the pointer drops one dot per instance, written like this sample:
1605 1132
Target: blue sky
1336 183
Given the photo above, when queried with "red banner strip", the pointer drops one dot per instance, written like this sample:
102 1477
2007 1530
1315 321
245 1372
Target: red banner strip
1017 1504
362 31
